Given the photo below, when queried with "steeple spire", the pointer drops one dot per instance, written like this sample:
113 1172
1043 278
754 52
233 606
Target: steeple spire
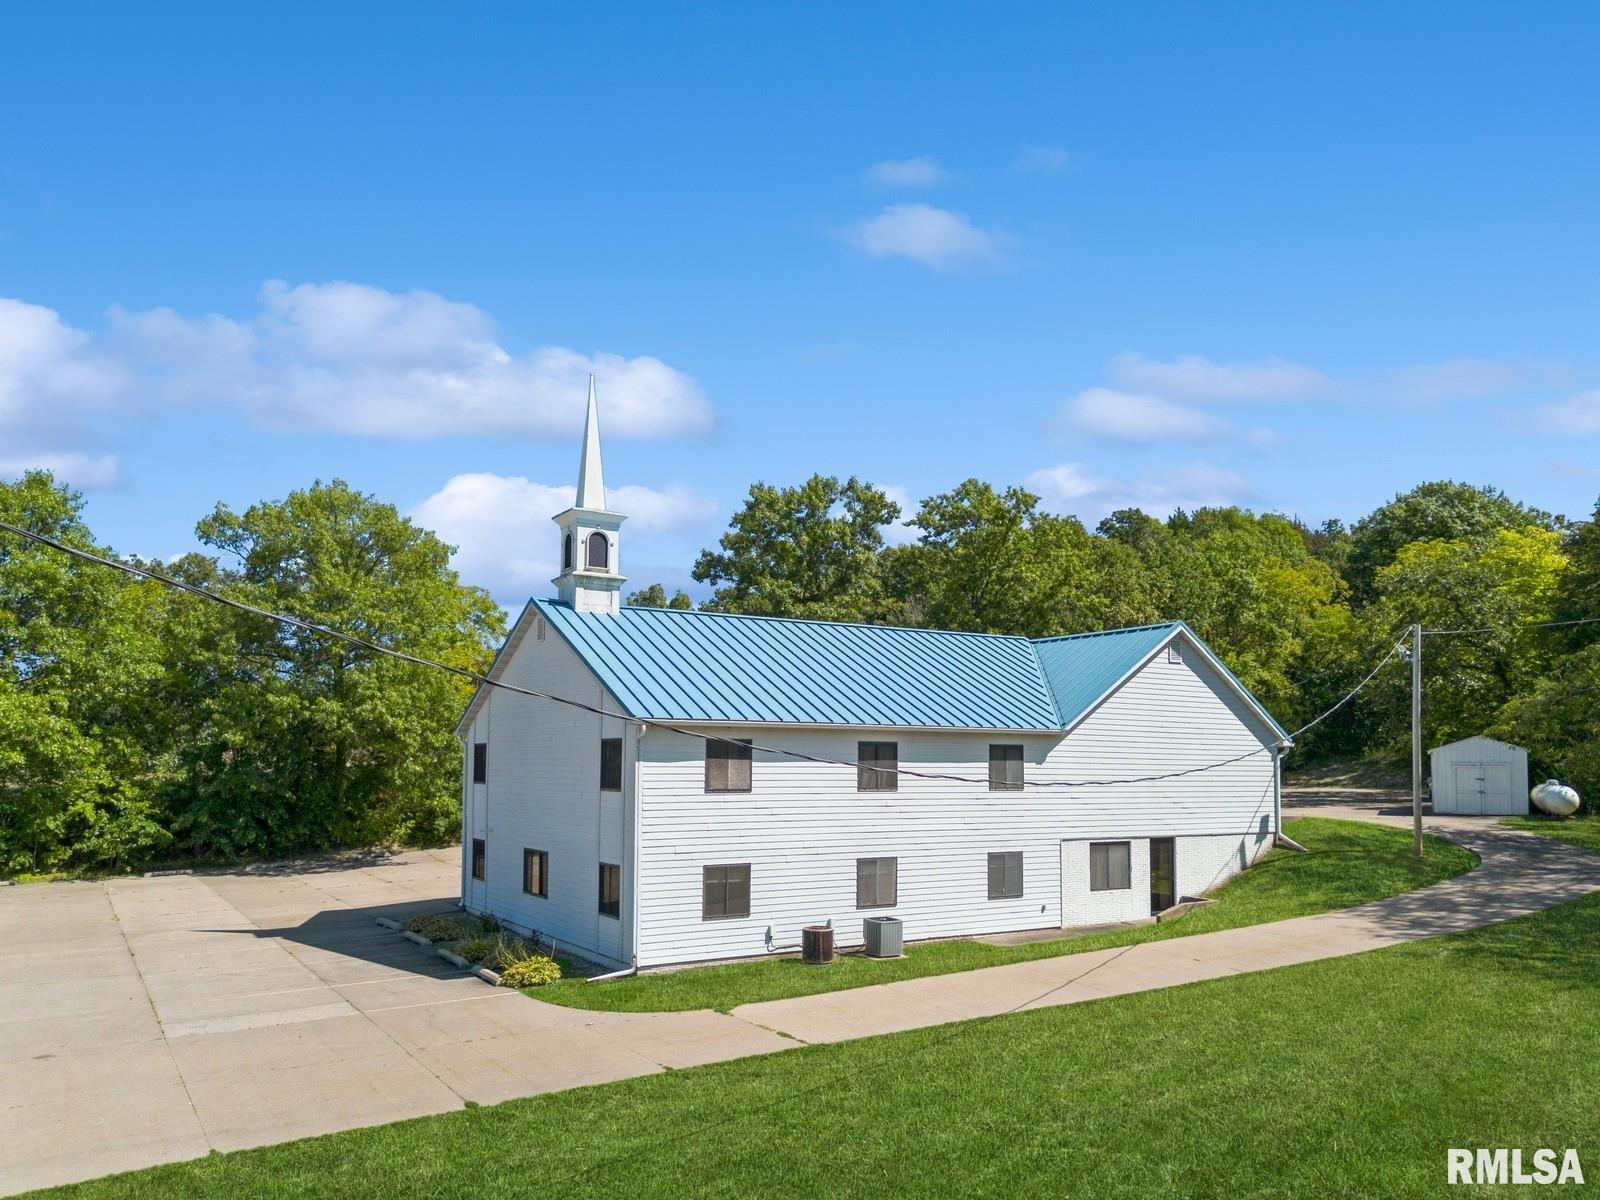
591 483
590 580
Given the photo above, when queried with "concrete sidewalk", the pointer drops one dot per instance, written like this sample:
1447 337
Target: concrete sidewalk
147 1021
1520 873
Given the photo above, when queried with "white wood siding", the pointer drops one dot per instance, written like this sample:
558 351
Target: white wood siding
803 825
543 793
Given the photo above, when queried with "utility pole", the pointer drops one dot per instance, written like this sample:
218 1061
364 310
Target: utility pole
1416 739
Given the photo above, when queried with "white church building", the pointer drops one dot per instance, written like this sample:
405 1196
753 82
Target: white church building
761 774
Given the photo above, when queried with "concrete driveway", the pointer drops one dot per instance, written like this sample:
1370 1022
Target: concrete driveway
150 1020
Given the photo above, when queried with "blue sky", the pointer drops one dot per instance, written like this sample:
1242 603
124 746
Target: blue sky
1294 257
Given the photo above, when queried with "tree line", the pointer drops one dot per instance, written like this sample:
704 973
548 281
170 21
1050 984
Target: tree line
140 723
1299 613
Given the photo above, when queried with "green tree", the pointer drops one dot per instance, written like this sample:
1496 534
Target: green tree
1558 719
1492 587
1440 511
77 658
1578 597
655 596
806 551
995 562
309 741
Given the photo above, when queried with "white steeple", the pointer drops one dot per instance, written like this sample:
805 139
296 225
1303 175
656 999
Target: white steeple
589 579
591 481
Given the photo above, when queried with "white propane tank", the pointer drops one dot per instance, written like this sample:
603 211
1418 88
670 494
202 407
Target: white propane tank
1556 798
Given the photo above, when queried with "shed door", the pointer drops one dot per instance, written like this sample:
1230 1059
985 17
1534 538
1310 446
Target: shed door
1469 788
1496 788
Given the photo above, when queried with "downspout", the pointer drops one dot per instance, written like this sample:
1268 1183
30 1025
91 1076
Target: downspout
634 828
1279 838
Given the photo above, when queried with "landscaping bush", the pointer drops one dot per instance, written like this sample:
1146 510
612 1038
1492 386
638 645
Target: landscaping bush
533 971
479 949
436 927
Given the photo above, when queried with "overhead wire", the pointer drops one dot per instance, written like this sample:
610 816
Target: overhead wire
670 726
1510 628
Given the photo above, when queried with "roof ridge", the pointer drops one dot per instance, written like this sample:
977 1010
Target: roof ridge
700 612
1089 633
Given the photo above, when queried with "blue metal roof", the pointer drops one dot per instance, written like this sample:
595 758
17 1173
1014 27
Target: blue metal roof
1082 667
675 664
681 665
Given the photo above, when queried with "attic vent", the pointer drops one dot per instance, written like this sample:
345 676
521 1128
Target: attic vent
1174 652
539 629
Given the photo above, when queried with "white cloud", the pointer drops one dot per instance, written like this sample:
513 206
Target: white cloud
79 470
1578 414
338 357
907 173
1042 159
1130 417
51 381
1070 488
1457 379
1194 377
898 533
935 237
506 542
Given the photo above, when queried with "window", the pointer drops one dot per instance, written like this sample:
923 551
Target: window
728 765
877 882
477 858
536 872
879 769
610 890
1005 875
610 764
1005 768
480 762
1109 869
725 891
566 553
599 551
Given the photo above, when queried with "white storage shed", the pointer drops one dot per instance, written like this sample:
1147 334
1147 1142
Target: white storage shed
1479 776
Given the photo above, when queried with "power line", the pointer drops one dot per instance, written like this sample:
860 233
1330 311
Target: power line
597 710
1510 628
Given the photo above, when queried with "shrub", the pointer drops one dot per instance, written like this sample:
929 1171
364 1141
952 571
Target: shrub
435 927
478 949
533 971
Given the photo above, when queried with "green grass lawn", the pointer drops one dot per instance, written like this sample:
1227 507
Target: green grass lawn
1345 1077
1580 831
1350 863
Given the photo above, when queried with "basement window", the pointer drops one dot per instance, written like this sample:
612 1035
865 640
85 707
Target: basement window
1110 866
878 766
480 762
725 891
477 858
877 882
728 765
610 764
610 890
536 873
1005 875
1005 768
